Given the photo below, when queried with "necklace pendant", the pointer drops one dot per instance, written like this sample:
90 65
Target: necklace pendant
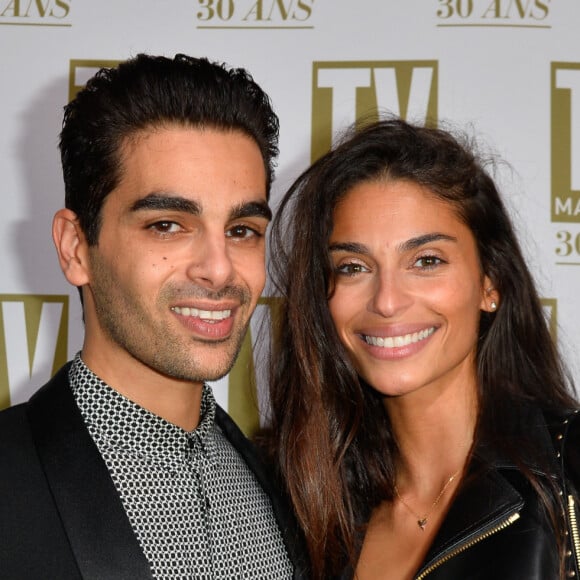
422 523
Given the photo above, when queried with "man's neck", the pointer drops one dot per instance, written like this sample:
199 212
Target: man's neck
177 401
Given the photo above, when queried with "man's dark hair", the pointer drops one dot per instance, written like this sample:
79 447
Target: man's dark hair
146 92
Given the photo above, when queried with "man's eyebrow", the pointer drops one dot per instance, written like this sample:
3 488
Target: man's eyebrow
251 209
163 201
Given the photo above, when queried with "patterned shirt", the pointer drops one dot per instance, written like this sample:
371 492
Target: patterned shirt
194 505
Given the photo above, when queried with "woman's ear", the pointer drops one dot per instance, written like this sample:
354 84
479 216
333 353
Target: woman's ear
71 247
490 299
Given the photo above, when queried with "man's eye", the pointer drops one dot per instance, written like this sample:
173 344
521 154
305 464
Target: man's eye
242 232
165 227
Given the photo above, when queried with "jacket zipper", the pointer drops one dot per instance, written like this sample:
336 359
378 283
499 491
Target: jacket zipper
574 528
502 525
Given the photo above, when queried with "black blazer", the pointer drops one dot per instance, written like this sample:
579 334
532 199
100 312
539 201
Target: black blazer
60 515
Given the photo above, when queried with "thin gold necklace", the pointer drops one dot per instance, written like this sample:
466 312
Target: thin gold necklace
422 521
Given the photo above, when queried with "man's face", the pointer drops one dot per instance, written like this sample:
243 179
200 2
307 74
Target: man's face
179 264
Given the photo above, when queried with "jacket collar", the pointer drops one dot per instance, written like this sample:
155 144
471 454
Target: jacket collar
99 532
293 539
488 498
484 503
97 527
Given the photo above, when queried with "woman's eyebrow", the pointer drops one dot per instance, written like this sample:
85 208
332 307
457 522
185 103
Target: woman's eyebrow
417 242
349 247
410 244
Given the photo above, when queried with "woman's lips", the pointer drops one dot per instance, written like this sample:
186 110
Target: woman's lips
399 340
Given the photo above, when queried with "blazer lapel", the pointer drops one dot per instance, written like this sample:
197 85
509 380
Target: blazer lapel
93 516
291 534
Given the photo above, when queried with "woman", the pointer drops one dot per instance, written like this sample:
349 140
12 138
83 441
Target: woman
418 401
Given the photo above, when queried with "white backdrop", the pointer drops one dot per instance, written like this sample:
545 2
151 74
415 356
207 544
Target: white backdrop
508 70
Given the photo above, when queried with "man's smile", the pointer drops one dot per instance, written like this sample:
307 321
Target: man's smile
207 315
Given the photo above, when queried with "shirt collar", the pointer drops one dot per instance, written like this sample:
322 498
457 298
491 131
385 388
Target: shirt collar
123 424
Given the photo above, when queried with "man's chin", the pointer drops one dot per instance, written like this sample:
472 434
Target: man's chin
223 366
212 372
210 362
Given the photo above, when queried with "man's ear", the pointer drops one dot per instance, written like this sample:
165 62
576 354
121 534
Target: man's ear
71 247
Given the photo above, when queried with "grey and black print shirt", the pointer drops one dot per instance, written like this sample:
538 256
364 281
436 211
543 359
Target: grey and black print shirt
194 505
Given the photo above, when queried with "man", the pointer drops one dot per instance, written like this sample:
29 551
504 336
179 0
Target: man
122 466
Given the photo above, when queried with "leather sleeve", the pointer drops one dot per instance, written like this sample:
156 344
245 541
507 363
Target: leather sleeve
571 450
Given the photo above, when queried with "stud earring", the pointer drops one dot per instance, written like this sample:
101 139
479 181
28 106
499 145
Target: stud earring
493 306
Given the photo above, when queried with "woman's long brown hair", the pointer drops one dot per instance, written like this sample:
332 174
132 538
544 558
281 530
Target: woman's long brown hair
333 442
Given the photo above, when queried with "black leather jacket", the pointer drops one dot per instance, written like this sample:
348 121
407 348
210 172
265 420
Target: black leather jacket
496 527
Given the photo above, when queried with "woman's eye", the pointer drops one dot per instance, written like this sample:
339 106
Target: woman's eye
427 262
351 269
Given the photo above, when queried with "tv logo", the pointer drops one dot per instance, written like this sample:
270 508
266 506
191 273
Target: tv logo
243 383
80 71
33 342
565 142
345 92
550 306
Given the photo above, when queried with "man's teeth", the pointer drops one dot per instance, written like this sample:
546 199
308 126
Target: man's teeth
203 314
398 341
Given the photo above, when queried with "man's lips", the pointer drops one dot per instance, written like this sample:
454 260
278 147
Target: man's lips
207 315
399 341
214 325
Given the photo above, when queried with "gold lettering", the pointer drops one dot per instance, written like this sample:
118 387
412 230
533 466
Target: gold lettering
40 8
543 6
65 9
282 9
307 9
12 9
36 328
522 10
493 10
256 11
565 142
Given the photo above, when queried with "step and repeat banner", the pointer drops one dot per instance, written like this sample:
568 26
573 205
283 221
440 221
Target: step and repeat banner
505 71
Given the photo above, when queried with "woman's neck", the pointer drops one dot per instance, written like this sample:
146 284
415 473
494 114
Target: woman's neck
434 433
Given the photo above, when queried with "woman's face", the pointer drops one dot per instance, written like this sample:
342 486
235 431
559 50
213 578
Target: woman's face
408 288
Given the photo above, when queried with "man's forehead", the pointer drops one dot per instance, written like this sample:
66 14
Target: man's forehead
190 169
